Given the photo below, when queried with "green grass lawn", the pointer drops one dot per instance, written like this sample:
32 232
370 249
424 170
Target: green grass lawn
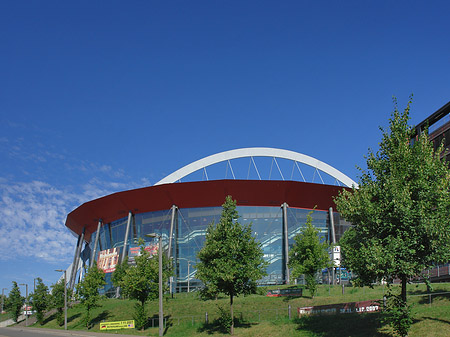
4 317
258 315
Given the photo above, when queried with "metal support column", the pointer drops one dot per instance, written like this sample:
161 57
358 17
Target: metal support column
333 233
333 240
125 241
284 206
97 236
76 260
172 221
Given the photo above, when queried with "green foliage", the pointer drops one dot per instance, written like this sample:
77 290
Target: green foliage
15 302
231 261
87 291
401 210
398 314
120 272
141 281
224 320
140 316
40 300
57 300
308 255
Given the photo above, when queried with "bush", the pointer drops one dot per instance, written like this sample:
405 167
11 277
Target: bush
398 315
140 316
224 320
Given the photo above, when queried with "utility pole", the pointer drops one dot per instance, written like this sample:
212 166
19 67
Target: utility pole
65 297
26 302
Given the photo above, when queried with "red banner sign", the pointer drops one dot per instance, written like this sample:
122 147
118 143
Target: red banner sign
341 308
108 259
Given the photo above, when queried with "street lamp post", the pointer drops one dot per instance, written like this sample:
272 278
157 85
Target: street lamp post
34 284
161 312
189 275
65 297
26 302
188 271
3 298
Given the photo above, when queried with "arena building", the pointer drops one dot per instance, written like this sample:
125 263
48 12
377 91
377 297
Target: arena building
180 212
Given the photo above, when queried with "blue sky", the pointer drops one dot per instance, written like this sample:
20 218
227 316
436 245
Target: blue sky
107 96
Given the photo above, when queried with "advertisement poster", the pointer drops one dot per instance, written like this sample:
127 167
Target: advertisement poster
108 259
136 250
342 308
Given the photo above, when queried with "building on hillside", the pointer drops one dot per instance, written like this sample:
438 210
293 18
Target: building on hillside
438 125
180 212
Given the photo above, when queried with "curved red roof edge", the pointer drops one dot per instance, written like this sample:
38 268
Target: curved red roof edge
199 194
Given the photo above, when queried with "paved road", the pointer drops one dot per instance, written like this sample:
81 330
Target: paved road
34 332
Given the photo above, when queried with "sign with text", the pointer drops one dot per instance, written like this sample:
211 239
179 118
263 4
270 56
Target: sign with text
108 259
341 308
335 255
117 325
136 250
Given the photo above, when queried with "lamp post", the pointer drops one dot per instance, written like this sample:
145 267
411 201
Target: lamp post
26 302
34 284
188 272
65 297
3 298
161 313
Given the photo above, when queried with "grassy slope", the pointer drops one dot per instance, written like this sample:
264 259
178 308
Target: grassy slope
4 317
264 316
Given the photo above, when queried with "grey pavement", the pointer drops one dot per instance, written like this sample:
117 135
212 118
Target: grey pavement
19 331
10 321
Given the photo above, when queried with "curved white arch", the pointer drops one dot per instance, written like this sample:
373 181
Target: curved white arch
257 152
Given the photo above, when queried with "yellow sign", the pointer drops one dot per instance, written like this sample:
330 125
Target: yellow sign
116 325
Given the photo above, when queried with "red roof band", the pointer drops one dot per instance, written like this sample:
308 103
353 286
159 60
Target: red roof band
199 194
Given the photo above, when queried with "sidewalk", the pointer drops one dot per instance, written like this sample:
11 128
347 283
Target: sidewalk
38 331
10 321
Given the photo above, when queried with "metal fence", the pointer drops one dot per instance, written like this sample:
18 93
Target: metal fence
429 297
270 315
249 316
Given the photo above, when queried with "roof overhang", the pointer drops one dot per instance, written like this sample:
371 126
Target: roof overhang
199 194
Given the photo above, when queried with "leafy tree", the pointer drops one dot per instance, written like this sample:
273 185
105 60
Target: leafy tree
308 255
40 300
15 302
400 212
141 281
57 300
87 291
231 261
119 273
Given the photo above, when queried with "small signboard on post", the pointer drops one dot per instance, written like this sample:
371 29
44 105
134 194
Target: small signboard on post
117 325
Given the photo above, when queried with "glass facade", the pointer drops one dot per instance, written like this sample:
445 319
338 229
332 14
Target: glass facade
188 236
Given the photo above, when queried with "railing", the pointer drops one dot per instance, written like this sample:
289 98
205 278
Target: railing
429 297
255 316
269 315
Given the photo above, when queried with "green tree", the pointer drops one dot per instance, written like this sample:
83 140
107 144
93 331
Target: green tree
231 261
119 273
141 281
400 212
15 302
87 291
308 255
57 300
40 300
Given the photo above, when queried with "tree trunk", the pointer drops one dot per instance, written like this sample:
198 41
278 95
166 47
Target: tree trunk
404 289
232 316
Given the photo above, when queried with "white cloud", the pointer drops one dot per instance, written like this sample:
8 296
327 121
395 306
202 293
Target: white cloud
39 186
32 217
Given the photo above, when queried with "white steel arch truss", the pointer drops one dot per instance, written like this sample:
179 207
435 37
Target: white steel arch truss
251 152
